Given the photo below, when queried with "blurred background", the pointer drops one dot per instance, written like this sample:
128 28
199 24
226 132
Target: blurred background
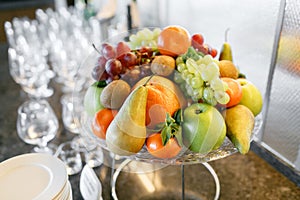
264 36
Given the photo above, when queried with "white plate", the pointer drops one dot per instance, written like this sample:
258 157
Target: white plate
32 176
65 193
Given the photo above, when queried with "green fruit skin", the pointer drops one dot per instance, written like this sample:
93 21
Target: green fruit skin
204 128
91 100
251 96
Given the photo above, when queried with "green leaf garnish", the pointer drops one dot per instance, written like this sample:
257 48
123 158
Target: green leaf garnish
172 128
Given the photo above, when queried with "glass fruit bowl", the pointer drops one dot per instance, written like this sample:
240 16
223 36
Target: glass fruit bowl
155 70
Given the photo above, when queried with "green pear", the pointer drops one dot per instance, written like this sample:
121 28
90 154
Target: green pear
240 123
126 134
91 101
251 96
203 127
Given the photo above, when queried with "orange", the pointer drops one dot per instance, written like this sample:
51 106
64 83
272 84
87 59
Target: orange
163 96
156 148
101 121
160 101
228 69
173 41
234 91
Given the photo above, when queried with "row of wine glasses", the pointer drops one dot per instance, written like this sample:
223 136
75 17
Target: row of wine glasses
27 64
68 38
52 46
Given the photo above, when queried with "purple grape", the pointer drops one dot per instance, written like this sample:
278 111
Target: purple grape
108 51
113 67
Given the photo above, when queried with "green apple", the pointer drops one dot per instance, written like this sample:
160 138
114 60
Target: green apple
91 99
251 96
204 128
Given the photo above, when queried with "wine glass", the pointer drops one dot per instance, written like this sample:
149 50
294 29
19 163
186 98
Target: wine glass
27 59
72 109
37 124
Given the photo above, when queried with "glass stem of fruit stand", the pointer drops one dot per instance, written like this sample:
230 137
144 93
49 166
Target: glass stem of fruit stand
182 182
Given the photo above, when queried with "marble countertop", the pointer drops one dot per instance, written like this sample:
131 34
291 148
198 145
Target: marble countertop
241 176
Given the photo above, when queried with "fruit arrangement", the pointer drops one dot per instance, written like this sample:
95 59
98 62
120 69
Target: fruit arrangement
165 93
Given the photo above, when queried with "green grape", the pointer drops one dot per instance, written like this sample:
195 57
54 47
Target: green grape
207 59
184 74
212 101
199 61
225 86
199 79
156 32
191 65
179 60
214 68
141 34
189 90
198 92
216 61
148 35
152 44
207 75
201 68
183 89
181 67
188 79
144 37
196 82
133 39
217 84
221 97
177 77
208 94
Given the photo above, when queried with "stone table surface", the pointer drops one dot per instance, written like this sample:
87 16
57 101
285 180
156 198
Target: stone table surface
241 176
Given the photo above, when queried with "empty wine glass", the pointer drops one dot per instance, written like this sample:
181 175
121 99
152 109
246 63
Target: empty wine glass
27 59
72 109
37 124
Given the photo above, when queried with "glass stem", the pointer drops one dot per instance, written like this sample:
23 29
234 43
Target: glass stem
182 182
43 145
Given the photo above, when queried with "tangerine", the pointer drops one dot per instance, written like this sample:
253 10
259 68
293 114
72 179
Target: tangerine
163 96
101 121
234 91
156 148
173 41
160 101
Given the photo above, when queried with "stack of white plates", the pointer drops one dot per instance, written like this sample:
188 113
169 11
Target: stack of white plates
34 176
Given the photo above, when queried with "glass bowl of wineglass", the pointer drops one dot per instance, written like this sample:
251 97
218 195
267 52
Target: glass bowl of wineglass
37 124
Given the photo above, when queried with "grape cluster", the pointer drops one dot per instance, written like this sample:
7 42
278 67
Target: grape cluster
199 77
144 37
121 62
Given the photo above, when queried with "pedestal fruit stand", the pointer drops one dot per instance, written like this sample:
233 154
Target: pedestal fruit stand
160 97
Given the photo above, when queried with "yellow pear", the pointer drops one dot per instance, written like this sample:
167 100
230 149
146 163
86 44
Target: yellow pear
240 123
126 134
226 53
